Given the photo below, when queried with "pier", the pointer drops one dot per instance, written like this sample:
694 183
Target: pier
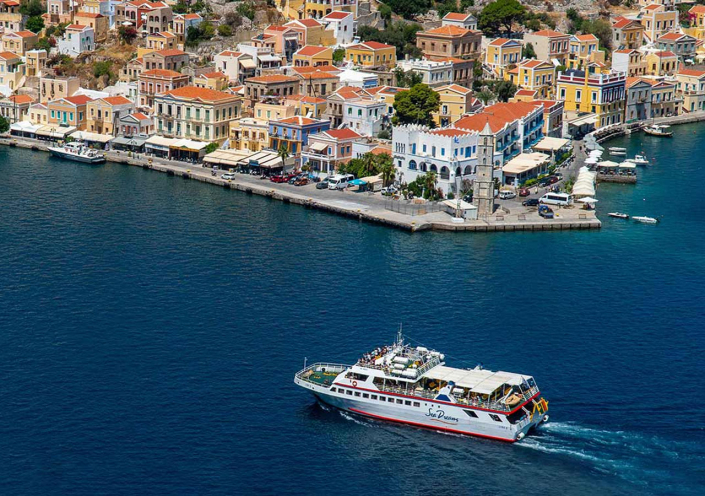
511 215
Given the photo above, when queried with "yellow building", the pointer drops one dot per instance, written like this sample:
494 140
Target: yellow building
19 42
627 33
534 75
696 14
249 134
312 32
584 48
690 84
104 114
158 41
658 20
212 80
273 111
455 101
98 22
663 63
11 70
313 56
69 111
10 16
591 92
372 54
501 54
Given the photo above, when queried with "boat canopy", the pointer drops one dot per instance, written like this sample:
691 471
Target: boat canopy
479 381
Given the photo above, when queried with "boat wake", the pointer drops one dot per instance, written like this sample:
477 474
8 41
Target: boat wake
638 458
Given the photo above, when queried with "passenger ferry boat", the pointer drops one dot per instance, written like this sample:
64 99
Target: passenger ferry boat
78 152
412 385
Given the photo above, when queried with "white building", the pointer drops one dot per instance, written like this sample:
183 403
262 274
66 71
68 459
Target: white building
359 79
452 151
433 73
230 63
465 21
364 116
342 24
76 40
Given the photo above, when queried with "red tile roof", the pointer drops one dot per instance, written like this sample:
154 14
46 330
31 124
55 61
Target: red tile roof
671 36
549 33
20 99
78 100
140 116
211 75
117 100
301 121
497 115
692 72
272 78
344 133
310 50
455 16
23 34
500 41
171 52
194 93
162 73
697 9
586 37
449 30
8 55
337 15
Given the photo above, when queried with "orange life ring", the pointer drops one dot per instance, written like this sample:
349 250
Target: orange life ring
354 383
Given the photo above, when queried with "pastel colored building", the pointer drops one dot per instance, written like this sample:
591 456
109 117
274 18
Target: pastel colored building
631 62
501 54
661 63
328 150
313 56
157 81
292 133
449 41
455 101
627 33
104 114
690 85
533 74
77 39
68 111
371 54
461 20
19 42
600 94
342 24
549 45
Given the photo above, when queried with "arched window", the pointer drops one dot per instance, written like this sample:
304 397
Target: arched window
445 173
412 164
468 170
458 171
434 168
424 166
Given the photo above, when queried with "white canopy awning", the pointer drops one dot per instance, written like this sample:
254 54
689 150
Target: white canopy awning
551 144
248 63
187 144
607 163
319 146
479 381
588 200
159 142
94 137
55 131
525 162
24 126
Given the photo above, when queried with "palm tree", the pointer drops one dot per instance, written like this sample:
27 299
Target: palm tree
430 185
369 163
485 96
283 154
388 173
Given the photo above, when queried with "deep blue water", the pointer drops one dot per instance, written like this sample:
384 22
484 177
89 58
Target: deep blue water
150 328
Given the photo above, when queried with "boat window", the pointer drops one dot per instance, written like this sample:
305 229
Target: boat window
357 393
374 396
417 404
382 398
365 395
470 413
407 403
399 402
349 393
495 417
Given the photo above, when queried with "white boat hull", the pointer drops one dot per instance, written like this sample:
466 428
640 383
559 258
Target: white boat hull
61 153
421 412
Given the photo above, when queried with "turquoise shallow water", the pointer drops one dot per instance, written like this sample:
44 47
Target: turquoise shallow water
151 326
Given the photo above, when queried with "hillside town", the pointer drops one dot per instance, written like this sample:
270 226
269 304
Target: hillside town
392 99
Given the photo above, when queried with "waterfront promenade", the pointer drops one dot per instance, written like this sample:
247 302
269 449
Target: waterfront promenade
510 215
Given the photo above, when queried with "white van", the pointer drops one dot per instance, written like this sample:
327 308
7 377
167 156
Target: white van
561 199
339 181
507 194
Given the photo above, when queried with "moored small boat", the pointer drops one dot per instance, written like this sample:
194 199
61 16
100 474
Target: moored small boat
615 150
638 160
658 130
77 152
618 215
645 220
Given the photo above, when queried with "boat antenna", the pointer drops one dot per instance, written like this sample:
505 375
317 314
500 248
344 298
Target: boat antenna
400 335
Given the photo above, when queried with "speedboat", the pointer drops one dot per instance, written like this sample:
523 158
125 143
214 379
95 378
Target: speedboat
615 150
658 130
412 385
645 220
78 152
638 160
618 215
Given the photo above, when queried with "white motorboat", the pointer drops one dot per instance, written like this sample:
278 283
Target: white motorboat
658 130
78 152
412 385
645 220
638 160
615 150
618 215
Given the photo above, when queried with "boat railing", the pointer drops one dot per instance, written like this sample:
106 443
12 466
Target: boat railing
304 373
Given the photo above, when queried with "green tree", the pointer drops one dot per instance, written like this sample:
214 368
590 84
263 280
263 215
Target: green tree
416 106
211 147
102 68
576 20
180 8
4 125
225 30
528 52
485 96
500 14
385 12
409 8
601 29
32 8
406 79
430 186
283 153
35 24
386 168
246 9
339 55
399 34
505 90
43 44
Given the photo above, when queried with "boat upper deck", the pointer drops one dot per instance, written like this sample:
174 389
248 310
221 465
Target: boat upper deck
479 381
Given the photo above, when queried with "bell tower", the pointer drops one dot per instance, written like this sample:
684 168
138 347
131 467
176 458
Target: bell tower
483 191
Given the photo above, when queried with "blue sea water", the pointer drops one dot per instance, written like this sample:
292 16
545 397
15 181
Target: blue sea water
150 328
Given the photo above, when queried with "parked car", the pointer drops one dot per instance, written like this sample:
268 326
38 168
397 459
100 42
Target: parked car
531 202
507 195
545 211
558 175
228 175
553 180
389 191
279 178
524 192
322 184
301 181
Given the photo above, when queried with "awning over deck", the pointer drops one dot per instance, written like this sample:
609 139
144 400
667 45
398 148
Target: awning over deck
92 137
525 162
230 158
550 144
24 127
55 131
479 381
189 145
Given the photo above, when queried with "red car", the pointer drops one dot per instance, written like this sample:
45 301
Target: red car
553 180
281 178
524 192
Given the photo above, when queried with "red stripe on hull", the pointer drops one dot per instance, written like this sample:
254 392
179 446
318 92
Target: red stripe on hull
459 405
432 427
